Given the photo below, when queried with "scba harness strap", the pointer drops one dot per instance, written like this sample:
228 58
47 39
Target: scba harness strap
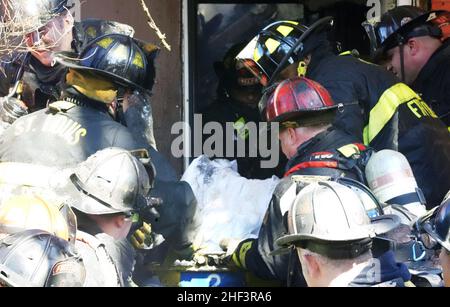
105 262
347 157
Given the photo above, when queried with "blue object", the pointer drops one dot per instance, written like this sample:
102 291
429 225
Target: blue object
212 279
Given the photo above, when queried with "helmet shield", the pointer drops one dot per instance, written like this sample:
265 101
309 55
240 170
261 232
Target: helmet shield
437 226
247 59
232 73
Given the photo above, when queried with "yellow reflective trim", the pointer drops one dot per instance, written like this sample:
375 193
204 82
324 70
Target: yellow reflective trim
349 150
345 53
272 45
241 128
448 129
243 253
420 109
106 42
236 261
285 30
292 22
257 55
91 32
138 61
385 109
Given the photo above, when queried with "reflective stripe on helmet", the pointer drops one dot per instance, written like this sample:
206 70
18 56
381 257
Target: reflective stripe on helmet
265 50
106 42
272 45
387 106
285 30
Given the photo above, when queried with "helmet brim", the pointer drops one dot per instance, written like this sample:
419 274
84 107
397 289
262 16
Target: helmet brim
379 225
390 42
85 203
309 116
70 60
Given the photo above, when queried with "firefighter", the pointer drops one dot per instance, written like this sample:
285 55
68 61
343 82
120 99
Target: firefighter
55 31
314 147
379 110
83 122
317 151
106 192
32 80
238 94
35 258
411 43
332 234
435 227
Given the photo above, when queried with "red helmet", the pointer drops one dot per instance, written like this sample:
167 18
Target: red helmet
296 98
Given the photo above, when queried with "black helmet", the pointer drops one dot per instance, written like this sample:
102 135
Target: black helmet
398 25
280 44
437 225
38 259
121 59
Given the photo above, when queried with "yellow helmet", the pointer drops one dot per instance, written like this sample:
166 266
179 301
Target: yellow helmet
25 212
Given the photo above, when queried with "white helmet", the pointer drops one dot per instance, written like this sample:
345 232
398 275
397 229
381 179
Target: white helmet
331 219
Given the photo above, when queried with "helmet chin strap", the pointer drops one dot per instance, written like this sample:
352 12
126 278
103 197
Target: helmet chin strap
402 61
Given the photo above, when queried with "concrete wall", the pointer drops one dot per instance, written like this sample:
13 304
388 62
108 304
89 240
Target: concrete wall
167 101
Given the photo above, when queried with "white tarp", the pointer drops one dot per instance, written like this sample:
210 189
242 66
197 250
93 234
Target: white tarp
229 206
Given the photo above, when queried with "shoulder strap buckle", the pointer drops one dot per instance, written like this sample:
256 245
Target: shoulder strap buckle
61 106
349 150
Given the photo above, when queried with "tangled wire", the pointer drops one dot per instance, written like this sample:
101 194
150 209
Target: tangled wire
17 19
